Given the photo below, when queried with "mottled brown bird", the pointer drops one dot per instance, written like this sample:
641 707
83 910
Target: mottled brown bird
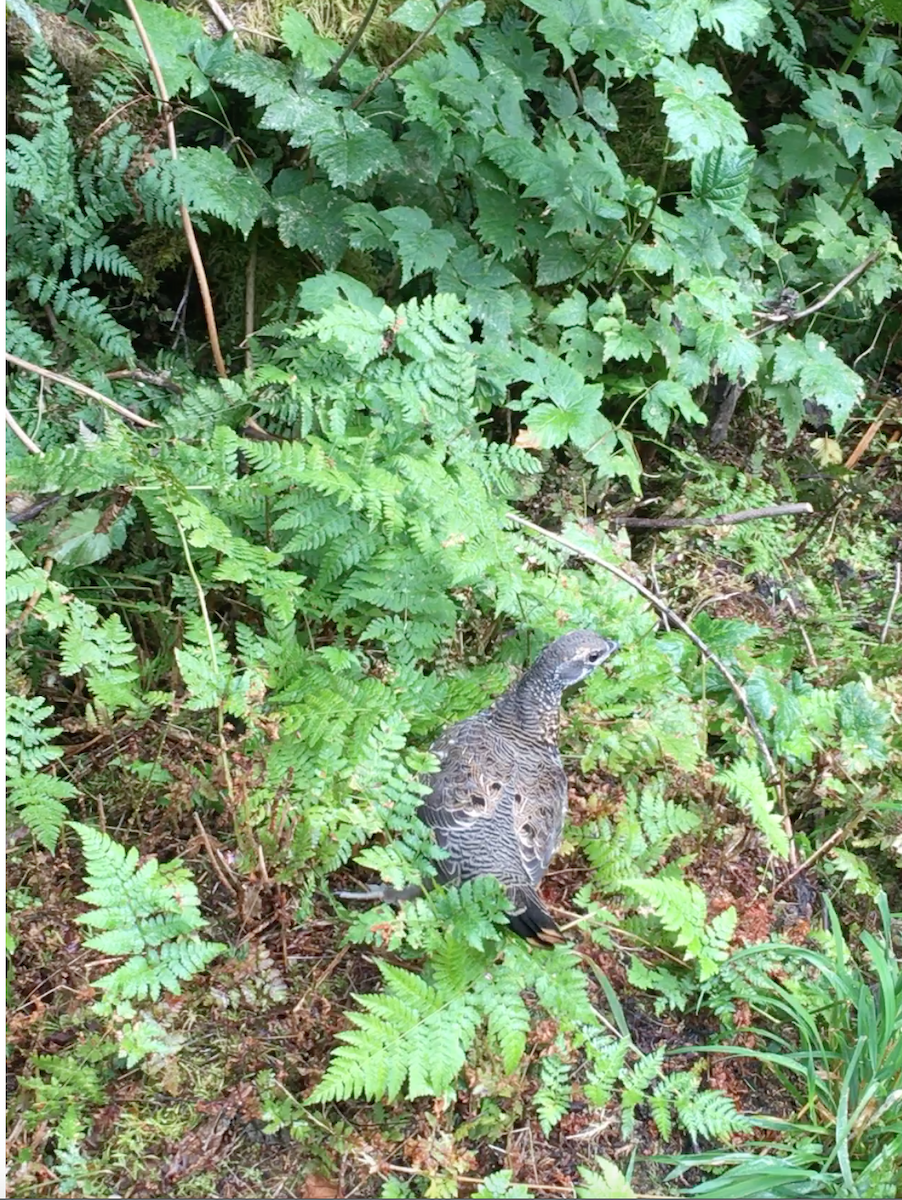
499 797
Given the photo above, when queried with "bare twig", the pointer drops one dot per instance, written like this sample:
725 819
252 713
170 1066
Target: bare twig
736 518
784 317
858 357
654 584
190 236
222 17
402 58
661 607
81 388
29 443
331 78
794 609
213 855
836 836
894 600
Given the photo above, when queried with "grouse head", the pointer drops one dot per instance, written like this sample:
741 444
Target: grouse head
572 657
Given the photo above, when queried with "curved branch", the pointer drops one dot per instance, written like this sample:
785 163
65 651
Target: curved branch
29 443
402 58
332 78
661 607
83 389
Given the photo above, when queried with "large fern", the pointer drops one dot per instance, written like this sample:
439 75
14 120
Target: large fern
148 913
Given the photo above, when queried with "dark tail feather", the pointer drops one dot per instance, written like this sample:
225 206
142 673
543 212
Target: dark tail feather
532 920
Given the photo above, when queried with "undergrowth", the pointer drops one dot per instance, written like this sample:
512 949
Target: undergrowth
239 611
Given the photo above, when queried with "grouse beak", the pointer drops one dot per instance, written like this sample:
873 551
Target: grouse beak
611 647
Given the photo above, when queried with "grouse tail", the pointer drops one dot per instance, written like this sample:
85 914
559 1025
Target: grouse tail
532 920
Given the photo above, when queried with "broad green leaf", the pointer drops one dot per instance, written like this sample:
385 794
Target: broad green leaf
421 247
698 119
305 43
820 374
721 178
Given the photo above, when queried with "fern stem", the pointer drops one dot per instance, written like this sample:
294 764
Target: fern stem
20 433
250 298
211 641
190 236
82 388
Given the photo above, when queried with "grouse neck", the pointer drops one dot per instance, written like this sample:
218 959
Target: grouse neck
532 706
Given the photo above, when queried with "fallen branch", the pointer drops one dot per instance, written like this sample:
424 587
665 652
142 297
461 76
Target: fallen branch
663 608
82 389
747 514
213 856
190 236
836 836
780 318
29 443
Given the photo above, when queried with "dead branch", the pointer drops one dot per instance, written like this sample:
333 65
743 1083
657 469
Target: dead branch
661 607
82 389
780 318
29 443
402 58
736 518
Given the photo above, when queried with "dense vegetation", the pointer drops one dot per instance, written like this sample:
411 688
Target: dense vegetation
349 348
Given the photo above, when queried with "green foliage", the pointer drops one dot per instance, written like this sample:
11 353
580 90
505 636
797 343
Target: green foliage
417 1033
554 1096
682 910
62 209
36 796
487 236
148 914
838 1053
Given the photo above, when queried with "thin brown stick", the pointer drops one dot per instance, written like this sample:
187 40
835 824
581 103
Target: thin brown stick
836 836
29 443
894 600
213 856
783 318
402 58
331 78
794 609
190 236
222 17
661 607
870 433
81 388
736 518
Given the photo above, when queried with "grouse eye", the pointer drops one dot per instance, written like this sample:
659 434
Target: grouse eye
594 656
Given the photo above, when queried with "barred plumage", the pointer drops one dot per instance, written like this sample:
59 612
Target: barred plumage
499 798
